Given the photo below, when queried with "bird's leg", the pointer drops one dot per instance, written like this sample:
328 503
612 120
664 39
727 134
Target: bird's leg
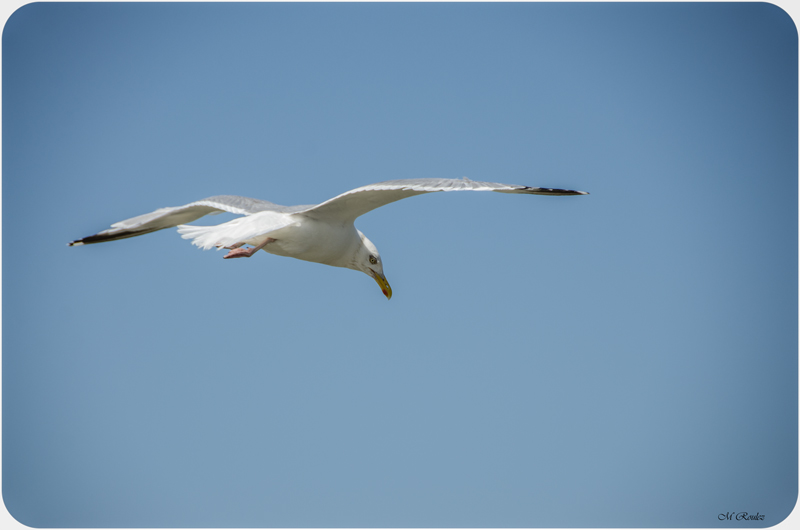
237 245
237 252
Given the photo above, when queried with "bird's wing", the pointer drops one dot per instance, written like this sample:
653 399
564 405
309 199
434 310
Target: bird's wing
176 215
349 205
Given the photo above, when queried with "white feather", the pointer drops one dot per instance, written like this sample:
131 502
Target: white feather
242 229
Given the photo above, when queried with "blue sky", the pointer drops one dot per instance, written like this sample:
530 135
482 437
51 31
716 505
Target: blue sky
623 359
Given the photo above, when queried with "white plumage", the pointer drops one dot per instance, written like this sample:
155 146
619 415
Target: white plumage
239 229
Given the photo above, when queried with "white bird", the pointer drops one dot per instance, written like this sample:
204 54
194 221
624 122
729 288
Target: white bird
323 233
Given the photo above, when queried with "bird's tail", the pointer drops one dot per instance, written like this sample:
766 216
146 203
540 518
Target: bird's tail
239 230
204 237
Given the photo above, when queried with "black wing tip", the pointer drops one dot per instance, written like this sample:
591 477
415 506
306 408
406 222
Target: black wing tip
103 237
88 240
554 191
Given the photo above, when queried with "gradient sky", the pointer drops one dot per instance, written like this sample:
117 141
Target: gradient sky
628 358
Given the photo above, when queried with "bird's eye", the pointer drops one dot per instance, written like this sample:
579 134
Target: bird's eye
373 260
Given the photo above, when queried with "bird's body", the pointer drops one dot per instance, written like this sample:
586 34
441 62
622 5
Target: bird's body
311 240
323 233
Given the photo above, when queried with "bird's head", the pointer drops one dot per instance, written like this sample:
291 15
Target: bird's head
368 261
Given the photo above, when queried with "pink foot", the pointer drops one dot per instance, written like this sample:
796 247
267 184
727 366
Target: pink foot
240 253
237 252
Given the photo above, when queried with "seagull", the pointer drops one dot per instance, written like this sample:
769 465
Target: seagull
323 233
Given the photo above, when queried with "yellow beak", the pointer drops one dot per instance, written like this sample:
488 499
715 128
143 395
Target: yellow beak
385 288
